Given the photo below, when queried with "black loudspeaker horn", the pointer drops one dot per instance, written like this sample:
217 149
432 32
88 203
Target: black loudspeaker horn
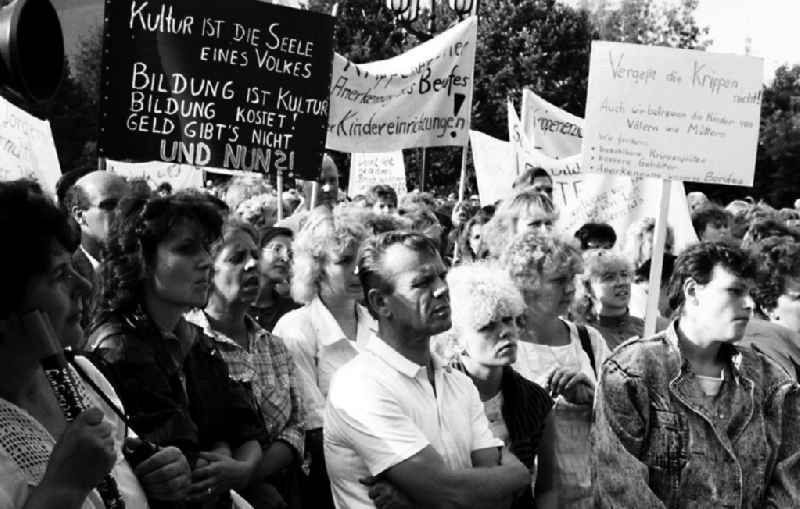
31 49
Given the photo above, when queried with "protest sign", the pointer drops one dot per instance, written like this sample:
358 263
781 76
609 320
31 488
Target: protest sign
422 98
585 197
236 85
673 114
367 170
493 161
179 176
27 149
550 129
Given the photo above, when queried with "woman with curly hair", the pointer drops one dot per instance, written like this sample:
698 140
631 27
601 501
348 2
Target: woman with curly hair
775 328
258 360
527 210
487 312
557 354
168 374
604 292
331 327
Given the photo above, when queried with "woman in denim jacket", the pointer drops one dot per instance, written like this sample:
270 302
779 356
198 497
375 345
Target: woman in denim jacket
685 418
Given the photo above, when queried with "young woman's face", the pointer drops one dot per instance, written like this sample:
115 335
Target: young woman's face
554 295
535 219
495 344
58 294
181 271
236 269
612 288
475 232
276 259
339 279
787 308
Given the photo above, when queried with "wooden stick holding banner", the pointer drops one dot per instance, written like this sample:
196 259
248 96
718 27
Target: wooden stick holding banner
279 191
314 195
657 261
462 184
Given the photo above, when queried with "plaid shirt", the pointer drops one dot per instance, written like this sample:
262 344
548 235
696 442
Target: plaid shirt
267 368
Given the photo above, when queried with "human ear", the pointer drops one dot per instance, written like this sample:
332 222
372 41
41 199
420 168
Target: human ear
378 302
78 214
690 290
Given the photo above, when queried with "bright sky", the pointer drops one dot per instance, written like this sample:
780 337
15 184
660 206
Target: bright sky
772 26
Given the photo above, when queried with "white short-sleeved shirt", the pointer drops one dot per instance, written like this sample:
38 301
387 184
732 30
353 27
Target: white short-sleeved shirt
319 348
383 410
17 482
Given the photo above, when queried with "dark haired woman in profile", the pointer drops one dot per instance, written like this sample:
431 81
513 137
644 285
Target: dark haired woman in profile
170 376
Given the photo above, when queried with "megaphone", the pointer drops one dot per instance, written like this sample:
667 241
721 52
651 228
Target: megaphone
31 49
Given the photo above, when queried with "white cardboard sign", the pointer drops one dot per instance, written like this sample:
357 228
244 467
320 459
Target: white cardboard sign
367 170
179 176
550 129
672 114
27 149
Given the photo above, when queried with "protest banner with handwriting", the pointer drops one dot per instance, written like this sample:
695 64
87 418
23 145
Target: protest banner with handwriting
238 85
367 170
422 98
179 176
590 197
672 113
549 128
27 149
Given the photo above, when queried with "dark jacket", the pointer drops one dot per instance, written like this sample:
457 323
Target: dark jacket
658 441
175 388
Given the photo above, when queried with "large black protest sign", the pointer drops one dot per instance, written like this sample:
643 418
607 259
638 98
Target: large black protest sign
239 84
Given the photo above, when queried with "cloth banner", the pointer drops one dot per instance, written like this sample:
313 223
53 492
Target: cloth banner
672 113
422 98
179 176
550 129
367 170
27 149
493 161
590 197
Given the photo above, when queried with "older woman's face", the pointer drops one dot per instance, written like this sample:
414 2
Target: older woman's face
612 288
339 276
495 344
236 269
58 294
181 272
787 310
554 294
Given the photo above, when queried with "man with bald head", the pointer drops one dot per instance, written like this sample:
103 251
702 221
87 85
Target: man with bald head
92 201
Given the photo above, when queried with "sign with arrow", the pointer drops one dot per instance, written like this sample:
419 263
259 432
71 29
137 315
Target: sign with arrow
422 98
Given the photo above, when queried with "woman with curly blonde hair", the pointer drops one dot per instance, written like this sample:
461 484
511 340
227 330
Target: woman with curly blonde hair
487 312
527 210
331 328
604 292
557 354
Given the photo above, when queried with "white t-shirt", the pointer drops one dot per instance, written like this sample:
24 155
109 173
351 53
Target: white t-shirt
17 483
572 423
383 410
319 348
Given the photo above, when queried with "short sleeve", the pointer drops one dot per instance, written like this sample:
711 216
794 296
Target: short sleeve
373 425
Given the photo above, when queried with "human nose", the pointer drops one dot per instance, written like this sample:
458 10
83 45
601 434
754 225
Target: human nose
440 291
81 285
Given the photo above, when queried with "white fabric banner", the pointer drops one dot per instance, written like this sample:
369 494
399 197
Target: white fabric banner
27 149
672 113
493 161
550 129
367 170
422 98
591 197
180 176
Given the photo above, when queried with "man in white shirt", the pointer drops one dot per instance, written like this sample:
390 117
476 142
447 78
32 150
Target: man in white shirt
400 425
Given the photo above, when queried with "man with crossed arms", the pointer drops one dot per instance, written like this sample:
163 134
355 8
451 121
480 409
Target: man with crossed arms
401 429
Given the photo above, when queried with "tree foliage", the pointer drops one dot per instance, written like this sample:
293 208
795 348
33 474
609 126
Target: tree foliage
651 22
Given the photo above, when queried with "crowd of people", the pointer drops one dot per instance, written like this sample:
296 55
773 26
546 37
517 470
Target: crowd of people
392 353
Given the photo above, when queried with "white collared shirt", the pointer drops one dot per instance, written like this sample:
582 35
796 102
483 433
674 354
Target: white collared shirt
382 410
319 348
92 260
